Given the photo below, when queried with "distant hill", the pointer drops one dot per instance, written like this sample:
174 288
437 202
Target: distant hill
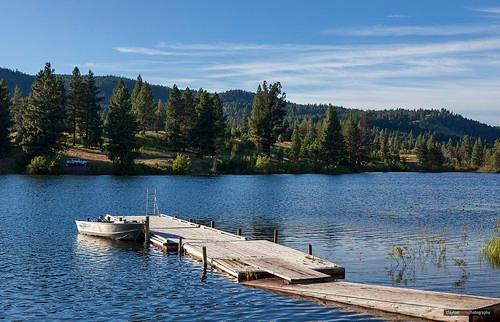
105 83
238 104
445 124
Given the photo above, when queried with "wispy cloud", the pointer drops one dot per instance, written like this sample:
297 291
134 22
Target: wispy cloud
490 10
397 16
398 31
457 74
146 51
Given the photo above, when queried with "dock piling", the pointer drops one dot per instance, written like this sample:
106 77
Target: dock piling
310 250
204 252
212 224
275 238
146 231
179 247
238 232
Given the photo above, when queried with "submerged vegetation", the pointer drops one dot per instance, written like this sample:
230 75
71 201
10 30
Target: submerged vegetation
433 249
131 133
491 250
429 249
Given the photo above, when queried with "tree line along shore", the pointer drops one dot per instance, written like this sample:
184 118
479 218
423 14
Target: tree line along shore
189 134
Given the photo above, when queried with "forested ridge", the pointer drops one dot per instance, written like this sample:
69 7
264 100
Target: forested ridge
237 105
235 131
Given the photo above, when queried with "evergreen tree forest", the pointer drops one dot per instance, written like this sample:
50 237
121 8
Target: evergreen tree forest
121 128
273 136
4 116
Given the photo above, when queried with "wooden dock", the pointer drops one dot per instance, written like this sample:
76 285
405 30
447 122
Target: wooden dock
236 255
266 265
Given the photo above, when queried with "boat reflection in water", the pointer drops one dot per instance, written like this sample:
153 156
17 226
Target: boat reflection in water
92 244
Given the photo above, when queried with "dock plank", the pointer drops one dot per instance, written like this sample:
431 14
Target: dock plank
253 249
288 271
423 304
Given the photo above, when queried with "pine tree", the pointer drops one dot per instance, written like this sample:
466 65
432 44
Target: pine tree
93 122
435 156
422 151
174 119
477 157
465 151
160 116
496 155
365 138
296 143
260 116
188 118
331 139
219 121
135 95
352 138
45 114
384 146
277 103
16 115
4 117
144 108
121 128
449 153
267 115
204 132
308 135
76 104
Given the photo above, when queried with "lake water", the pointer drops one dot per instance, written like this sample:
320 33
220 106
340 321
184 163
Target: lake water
48 272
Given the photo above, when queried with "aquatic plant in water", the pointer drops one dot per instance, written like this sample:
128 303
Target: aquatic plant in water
430 248
491 250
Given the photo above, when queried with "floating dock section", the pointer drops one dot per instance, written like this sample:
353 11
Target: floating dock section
267 265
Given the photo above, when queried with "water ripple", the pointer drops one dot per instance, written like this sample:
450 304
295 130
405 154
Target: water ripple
48 272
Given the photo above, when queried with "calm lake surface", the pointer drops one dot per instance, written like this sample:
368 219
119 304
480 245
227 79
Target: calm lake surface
48 272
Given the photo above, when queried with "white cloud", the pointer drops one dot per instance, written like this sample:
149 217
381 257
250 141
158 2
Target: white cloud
490 10
398 16
412 30
144 51
462 75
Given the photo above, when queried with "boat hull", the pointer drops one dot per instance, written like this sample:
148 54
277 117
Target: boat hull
116 231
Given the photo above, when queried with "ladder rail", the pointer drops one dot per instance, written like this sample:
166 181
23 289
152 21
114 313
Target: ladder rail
152 203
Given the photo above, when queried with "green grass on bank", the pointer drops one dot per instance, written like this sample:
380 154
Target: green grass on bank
154 158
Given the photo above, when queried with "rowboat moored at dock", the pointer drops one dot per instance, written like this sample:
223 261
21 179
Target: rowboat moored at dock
109 227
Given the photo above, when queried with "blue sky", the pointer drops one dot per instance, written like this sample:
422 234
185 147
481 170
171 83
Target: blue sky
361 54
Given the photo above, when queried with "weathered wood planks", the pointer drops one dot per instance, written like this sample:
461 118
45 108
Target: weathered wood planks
290 272
252 252
422 304
244 259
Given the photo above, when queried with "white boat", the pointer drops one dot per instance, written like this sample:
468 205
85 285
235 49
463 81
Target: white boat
117 227
111 227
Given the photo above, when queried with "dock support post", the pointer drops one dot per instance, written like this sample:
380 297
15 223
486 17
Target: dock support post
238 232
204 251
310 249
275 239
179 247
146 231
212 224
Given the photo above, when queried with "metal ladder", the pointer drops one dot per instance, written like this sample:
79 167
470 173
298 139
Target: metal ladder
152 203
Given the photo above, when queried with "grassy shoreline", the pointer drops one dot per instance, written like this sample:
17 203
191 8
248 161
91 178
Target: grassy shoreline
162 165
153 158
